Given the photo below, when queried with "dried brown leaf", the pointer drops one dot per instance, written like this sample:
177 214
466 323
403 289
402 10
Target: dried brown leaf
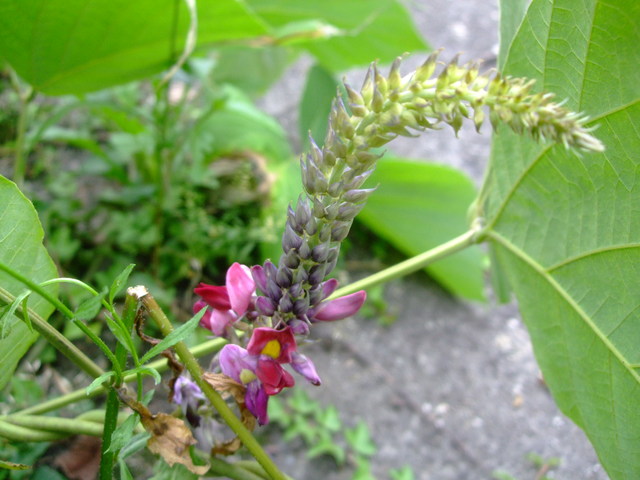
171 438
226 385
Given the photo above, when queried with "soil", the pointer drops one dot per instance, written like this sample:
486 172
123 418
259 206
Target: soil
451 388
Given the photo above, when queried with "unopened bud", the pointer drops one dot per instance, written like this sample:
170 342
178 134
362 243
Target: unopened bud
265 306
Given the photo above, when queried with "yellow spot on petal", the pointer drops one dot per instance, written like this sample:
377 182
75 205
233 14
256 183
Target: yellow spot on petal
247 376
272 348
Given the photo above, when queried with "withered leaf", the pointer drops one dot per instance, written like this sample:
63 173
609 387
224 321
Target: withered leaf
224 384
170 437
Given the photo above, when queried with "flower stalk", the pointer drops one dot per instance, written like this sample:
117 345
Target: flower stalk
192 365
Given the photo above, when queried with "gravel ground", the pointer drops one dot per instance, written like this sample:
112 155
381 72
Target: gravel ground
451 389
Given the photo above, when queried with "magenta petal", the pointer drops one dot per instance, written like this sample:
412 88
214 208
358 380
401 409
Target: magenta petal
273 377
233 359
256 400
305 367
261 337
329 287
240 287
340 308
219 321
215 296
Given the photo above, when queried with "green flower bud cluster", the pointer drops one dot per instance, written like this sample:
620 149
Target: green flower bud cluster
383 109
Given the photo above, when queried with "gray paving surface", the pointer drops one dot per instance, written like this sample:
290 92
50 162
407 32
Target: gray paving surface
451 389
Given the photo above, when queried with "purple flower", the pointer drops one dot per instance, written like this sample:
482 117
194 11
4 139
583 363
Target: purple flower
227 303
259 367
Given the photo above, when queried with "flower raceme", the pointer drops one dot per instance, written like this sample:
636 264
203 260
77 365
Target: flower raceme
274 303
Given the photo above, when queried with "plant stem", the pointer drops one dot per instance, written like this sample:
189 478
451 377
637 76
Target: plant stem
19 166
107 457
22 434
233 471
192 365
55 338
39 290
80 394
72 426
412 264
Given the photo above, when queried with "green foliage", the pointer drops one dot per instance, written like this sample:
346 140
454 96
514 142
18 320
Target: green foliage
21 250
93 48
564 228
324 434
418 206
104 42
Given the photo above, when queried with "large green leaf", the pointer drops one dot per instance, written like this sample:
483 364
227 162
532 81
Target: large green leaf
363 30
566 229
74 46
21 250
418 206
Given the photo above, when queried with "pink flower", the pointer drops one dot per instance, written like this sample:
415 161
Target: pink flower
338 308
226 304
259 367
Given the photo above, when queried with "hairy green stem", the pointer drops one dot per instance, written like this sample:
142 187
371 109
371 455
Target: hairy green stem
412 264
192 365
210 346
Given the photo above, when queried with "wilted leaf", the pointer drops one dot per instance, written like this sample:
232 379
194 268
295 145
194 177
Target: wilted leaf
171 439
226 385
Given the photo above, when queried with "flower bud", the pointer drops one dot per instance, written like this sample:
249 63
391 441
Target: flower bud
296 290
300 306
300 276
367 86
302 213
305 251
290 239
316 274
265 306
285 305
340 231
260 277
325 233
320 253
284 277
348 212
291 259
424 72
299 326
395 79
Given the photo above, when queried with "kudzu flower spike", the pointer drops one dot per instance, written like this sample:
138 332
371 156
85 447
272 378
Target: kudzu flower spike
274 303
